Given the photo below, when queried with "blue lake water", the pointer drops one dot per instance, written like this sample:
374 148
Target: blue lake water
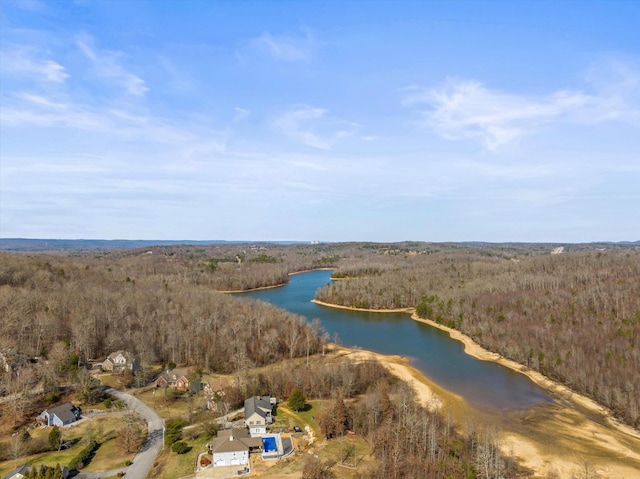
431 350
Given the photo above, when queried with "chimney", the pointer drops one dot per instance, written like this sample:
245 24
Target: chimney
230 438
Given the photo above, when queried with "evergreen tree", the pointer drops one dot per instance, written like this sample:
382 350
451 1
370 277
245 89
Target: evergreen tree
55 438
297 401
57 472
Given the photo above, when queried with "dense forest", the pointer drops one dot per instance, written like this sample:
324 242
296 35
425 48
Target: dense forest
575 316
60 312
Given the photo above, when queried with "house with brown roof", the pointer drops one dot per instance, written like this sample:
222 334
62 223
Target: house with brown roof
180 379
232 447
120 361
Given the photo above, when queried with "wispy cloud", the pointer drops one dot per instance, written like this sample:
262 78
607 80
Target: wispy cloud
301 123
108 64
286 48
466 109
26 62
33 110
241 114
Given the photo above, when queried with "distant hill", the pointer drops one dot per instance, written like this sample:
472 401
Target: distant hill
26 245
34 245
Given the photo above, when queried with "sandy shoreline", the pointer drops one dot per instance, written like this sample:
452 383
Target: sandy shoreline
564 437
329 305
474 349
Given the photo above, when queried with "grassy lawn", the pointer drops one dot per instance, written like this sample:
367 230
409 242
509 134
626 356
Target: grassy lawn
102 429
169 407
309 417
169 465
109 456
331 450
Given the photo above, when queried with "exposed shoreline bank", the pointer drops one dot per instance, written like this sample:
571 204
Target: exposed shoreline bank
474 349
558 437
337 306
236 291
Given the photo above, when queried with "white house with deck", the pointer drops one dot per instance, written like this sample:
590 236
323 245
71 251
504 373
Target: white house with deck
258 413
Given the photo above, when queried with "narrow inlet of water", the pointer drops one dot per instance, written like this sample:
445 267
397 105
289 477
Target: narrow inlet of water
431 350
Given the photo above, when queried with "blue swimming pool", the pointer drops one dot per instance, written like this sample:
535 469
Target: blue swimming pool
269 444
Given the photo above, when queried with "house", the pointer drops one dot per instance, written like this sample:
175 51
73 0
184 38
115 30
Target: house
232 447
59 415
258 413
121 361
23 472
179 379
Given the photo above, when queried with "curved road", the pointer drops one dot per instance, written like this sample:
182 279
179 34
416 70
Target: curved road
144 459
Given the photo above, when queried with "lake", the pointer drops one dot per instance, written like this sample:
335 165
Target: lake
430 350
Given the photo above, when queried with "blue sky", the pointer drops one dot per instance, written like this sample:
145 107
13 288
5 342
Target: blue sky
333 121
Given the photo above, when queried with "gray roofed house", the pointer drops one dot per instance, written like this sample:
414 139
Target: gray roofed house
258 413
59 415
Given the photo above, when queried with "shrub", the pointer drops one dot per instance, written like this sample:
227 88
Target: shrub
173 431
84 456
180 447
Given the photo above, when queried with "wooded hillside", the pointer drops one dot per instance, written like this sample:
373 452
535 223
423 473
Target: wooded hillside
575 317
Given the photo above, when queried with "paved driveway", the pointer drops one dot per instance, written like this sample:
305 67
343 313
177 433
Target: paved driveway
144 459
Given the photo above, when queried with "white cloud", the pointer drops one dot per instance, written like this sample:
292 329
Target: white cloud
302 122
28 109
108 64
24 62
285 48
466 109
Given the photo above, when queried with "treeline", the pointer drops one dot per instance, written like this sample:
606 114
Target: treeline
574 317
